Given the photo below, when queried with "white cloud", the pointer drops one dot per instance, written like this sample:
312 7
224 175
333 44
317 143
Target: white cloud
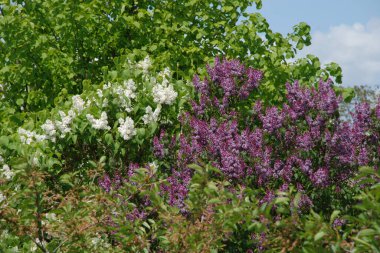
356 48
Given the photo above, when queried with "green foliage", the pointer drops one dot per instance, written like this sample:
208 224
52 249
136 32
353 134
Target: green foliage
49 48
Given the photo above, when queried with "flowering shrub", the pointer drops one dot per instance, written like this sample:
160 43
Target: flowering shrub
102 152
113 121
128 165
258 152
302 143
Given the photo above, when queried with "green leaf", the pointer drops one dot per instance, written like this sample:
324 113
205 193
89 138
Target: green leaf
102 159
367 232
108 138
196 167
4 140
20 101
319 235
284 200
334 215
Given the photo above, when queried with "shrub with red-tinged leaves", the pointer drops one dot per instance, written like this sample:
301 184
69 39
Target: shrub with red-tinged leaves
301 142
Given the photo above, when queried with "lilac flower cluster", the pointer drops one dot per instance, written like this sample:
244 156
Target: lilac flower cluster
338 222
301 142
112 185
231 79
177 188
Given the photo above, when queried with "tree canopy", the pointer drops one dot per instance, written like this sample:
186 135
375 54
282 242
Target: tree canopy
50 47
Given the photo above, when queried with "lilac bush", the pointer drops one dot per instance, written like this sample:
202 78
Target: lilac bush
302 142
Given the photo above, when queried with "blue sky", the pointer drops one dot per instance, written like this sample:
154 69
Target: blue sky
343 31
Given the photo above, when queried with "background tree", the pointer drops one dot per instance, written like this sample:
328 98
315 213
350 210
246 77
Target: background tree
50 47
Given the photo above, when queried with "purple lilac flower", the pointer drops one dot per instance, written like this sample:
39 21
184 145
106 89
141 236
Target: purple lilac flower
304 203
268 197
362 115
325 98
158 148
232 165
201 86
320 178
363 157
177 188
272 119
315 125
136 214
262 241
377 109
306 166
234 80
254 77
284 187
338 222
305 141
105 183
132 168
300 99
258 107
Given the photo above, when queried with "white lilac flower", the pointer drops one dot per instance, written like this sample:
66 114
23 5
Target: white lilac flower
145 64
107 86
127 128
64 124
118 90
164 93
49 128
124 93
151 116
129 89
124 101
88 103
126 104
99 92
40 137
6 172
71 113
153 165
165 73
27 137
100 123
105 103
78 103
